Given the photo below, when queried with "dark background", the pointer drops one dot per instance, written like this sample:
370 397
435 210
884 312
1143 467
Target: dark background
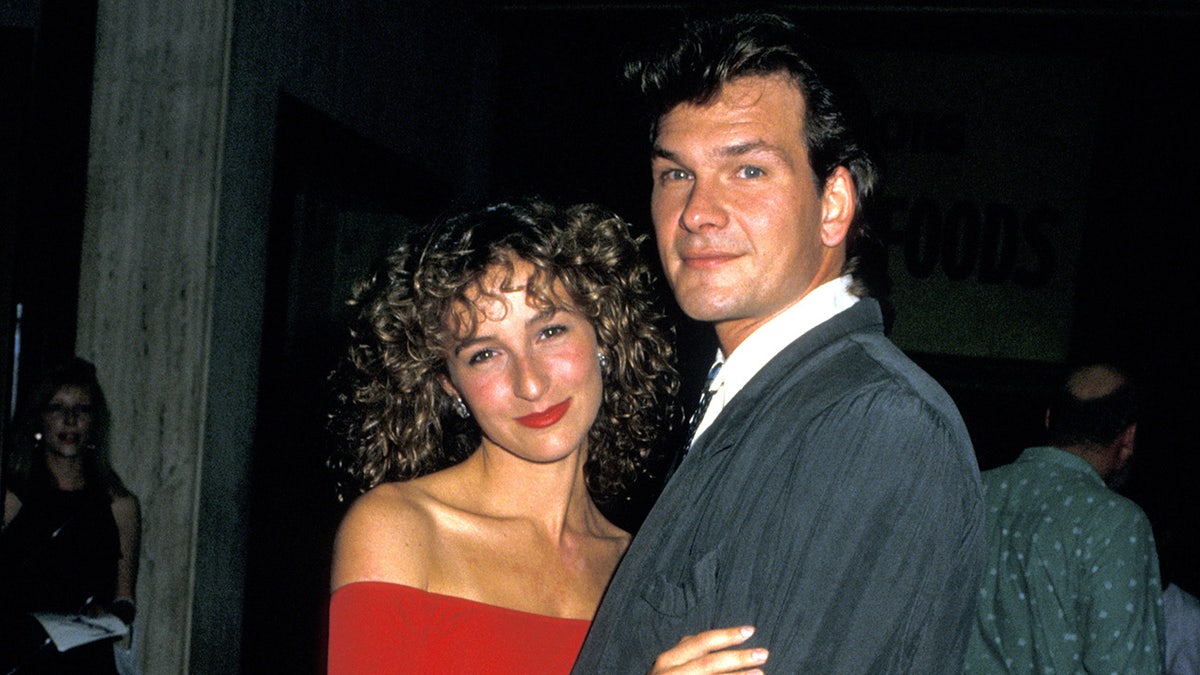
562 126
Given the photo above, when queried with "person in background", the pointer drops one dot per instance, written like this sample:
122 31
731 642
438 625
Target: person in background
505 376
71 528
1181 608
830 496
1072 578
1181 615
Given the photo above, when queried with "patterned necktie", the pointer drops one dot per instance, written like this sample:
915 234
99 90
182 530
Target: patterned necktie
706 395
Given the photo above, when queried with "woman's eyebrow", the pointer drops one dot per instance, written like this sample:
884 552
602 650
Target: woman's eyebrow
543 315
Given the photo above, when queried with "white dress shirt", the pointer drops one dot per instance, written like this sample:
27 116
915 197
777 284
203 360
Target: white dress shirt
820 305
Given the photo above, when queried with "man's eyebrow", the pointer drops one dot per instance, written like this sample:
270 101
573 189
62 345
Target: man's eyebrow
659 152
731 150
749 147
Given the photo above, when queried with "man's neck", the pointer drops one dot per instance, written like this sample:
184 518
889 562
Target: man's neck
732 333
1100 457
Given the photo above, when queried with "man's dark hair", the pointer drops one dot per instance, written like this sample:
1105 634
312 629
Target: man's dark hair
1078 420
693 65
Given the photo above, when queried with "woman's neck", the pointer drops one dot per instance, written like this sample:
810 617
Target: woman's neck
554 495
67 472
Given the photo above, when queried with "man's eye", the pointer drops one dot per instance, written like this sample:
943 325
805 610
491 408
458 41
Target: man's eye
751 172
673 175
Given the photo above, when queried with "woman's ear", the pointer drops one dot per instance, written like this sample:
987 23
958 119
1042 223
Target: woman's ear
449 387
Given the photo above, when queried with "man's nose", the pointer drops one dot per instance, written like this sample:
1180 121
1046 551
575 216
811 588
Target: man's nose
705 206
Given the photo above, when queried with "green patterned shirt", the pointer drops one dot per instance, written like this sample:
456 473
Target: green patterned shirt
1071 583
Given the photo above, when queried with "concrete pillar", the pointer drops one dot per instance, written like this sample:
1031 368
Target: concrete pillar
147 283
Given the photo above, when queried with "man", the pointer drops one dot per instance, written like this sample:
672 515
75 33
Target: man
1071 582
830 497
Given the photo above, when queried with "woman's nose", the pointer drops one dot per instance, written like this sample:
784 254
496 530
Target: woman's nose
529 378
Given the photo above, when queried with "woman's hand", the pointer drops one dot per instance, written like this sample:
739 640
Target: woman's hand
709 652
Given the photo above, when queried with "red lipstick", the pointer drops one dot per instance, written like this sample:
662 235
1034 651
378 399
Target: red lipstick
547 417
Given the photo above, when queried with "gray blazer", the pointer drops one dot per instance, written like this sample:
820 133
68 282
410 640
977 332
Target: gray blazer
834 504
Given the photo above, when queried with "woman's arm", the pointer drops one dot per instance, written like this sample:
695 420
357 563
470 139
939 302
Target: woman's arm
127 513
710 652
383 537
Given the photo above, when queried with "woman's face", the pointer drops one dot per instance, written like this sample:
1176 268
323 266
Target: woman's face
67 421
530 376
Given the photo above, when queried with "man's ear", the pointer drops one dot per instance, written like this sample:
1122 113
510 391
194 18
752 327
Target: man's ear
837 207
1125 443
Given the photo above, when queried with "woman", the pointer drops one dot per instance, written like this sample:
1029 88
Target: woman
71 528
505 375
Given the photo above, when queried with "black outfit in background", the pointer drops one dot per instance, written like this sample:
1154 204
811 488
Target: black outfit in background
59 554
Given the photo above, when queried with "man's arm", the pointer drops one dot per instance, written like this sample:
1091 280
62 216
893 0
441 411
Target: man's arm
1125 631
883 577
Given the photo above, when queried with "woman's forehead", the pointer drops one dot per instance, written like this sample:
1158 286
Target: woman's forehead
499 288
71 392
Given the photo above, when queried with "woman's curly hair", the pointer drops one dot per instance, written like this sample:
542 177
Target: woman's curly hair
393 418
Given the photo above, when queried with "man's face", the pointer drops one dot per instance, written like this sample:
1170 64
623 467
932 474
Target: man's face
742 231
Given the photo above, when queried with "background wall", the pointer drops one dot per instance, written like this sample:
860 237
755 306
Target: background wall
249 159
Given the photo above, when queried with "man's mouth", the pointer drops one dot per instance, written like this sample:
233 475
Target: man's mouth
706 259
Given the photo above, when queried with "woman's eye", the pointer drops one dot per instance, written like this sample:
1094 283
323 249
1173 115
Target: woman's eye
551 331
481 356
751 172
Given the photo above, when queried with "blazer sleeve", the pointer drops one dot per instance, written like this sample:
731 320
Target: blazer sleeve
885 543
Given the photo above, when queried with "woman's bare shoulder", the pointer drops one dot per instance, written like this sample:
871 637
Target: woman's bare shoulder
384 536
12 504
126 509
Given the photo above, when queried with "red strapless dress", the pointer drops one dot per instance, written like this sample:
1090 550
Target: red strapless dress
377 627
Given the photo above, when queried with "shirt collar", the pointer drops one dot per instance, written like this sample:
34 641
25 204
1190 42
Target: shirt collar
740 366
1062 458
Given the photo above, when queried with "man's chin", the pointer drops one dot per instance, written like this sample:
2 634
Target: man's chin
706 313
703 302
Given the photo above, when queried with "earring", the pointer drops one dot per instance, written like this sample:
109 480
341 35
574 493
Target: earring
460 408
37 438
602 358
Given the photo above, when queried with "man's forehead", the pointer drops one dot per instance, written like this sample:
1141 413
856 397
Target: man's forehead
743 91
747 101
